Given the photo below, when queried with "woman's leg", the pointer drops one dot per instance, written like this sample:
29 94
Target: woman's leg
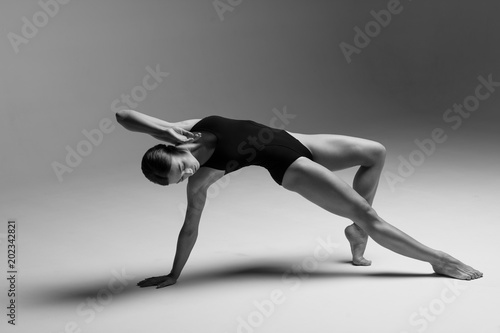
336 152
317 184
365 183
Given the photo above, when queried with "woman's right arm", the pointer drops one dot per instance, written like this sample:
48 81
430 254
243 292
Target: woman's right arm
197 188
185 241
173 133
189 233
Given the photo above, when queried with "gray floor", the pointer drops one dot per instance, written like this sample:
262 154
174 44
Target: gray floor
76 236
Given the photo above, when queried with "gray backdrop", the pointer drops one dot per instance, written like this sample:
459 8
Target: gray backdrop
240 63
421 77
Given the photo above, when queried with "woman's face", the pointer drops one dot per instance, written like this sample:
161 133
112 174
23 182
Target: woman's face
184 165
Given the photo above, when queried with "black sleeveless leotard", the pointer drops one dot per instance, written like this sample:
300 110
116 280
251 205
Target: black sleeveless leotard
241 143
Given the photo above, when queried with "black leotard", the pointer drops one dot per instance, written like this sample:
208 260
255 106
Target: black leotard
242 143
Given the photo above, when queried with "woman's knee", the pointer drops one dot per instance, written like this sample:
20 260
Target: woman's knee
380 151
375 153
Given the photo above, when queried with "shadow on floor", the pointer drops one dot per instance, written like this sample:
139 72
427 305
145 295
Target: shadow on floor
279 269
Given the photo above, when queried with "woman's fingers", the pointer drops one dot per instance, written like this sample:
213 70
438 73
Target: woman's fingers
182 136
145 283
152 281
158 281
188 134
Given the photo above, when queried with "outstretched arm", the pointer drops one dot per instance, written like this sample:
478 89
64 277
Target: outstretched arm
187 236
197 194
172 133
185 242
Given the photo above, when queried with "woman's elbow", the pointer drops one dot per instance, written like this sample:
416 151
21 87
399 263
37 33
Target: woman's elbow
121 115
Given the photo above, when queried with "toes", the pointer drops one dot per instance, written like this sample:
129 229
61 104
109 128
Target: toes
367 262
475 274
461 275
361 262
458 270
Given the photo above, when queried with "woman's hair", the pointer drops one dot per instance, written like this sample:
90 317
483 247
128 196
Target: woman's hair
156 160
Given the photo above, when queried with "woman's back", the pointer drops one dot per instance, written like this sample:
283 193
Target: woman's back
243 143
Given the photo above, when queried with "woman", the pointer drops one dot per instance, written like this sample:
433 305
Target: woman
204 150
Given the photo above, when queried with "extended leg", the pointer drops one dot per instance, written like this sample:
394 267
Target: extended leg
317 184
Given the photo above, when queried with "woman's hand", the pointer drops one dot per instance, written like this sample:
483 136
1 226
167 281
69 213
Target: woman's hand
177 135
138 122
158 281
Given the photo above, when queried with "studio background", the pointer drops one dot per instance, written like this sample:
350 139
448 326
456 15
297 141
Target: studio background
257 60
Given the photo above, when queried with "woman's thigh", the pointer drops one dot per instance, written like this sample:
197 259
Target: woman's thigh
337 152
322 187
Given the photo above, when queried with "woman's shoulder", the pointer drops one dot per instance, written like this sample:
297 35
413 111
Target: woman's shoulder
187 124
208 120
190 123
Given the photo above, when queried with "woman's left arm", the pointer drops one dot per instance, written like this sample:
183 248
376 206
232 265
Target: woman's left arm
172 133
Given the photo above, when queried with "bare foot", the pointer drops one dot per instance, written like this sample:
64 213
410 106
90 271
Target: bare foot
357 237
452 267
